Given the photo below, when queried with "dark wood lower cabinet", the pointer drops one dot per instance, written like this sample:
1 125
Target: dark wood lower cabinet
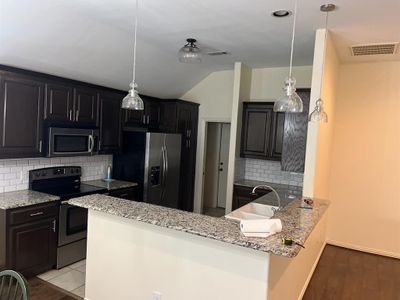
242 195
29 238
127 193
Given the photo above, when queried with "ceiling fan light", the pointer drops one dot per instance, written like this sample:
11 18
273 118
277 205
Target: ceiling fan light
190 53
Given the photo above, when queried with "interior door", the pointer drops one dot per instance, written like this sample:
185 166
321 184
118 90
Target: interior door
154 168
223 164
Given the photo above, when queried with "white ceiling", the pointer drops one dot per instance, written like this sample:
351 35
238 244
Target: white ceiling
91 40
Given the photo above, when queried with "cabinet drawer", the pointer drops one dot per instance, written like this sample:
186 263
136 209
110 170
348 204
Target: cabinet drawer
32 213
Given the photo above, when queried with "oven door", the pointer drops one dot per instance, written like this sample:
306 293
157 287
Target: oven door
72 224
72 142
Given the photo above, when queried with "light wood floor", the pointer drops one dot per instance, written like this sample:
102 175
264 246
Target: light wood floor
344 274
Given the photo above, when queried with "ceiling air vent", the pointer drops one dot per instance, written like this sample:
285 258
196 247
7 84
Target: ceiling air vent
217 53
374 49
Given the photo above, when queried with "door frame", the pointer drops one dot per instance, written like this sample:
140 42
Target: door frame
200 160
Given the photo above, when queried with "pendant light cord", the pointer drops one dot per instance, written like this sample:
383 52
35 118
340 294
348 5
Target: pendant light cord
293 36
134 42
324 53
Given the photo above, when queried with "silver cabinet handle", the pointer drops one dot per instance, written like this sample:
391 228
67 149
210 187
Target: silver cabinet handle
39 213
124 195
189 133
148 119
54 225
77 115
189 144
70 114
40 146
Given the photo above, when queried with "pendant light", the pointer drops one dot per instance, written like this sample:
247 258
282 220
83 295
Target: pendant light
319 115
133 101
190 53
291 103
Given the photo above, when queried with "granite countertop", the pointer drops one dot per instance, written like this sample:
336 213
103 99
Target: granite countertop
297 223
23 198
111 185
287 193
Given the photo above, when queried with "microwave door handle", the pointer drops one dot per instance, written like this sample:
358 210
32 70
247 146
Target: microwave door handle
91 143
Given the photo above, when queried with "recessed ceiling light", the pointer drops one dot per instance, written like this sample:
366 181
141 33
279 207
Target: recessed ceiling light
281 13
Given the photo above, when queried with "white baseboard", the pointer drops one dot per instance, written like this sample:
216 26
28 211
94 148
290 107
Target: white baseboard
312 271
364 249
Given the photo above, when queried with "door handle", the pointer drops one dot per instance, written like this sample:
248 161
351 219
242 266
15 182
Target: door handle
40 146
148 119
220 169
70 114
144 119
77 115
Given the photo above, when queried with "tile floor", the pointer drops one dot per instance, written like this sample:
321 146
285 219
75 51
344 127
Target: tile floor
71 278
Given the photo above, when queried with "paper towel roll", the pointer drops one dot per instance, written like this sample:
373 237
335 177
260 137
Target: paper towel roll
261 226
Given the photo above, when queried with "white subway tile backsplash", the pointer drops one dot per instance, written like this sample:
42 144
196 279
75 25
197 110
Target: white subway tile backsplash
264 170
14 172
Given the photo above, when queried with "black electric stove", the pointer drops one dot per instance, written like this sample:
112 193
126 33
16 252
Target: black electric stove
65 182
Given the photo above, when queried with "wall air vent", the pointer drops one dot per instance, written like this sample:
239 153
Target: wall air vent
374 49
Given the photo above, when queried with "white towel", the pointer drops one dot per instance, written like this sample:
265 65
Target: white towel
260 227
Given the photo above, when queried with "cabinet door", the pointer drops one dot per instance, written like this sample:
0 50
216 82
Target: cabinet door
168 114
134 118
152 111
59 103
33 247
278 124
110 122
85 104
295 136
21 115
187 126
256 130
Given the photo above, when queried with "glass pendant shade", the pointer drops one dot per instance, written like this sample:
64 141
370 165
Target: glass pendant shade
190 53
318 115
133 101
292 102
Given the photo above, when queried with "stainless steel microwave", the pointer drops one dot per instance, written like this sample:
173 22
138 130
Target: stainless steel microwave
72 141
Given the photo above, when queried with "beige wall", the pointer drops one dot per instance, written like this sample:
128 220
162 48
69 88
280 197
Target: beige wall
214 93
365 171
267 83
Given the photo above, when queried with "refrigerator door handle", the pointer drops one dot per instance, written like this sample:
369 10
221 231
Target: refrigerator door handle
163 173
166 161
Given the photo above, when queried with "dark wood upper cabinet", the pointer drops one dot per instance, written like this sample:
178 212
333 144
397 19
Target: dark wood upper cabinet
262 131
134 118
168 116
59 103
110 122
152 112
295 136
21 119
86 104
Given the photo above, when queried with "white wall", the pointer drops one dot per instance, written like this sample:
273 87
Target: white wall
14 174
141 258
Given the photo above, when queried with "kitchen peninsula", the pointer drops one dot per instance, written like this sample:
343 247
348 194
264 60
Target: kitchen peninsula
180 254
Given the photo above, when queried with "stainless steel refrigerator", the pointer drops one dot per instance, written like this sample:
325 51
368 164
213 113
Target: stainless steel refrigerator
153 161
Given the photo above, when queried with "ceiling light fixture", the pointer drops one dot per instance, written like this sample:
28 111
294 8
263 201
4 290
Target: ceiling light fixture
292 103
190 53
133 101
319 115
281 13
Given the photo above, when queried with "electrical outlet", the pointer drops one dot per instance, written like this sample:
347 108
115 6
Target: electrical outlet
156 296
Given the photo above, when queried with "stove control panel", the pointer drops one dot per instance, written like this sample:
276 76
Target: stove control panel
54 172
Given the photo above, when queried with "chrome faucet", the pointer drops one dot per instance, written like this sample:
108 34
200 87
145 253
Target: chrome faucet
253 192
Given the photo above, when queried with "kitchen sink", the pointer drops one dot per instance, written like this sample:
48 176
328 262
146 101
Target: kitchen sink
252 211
